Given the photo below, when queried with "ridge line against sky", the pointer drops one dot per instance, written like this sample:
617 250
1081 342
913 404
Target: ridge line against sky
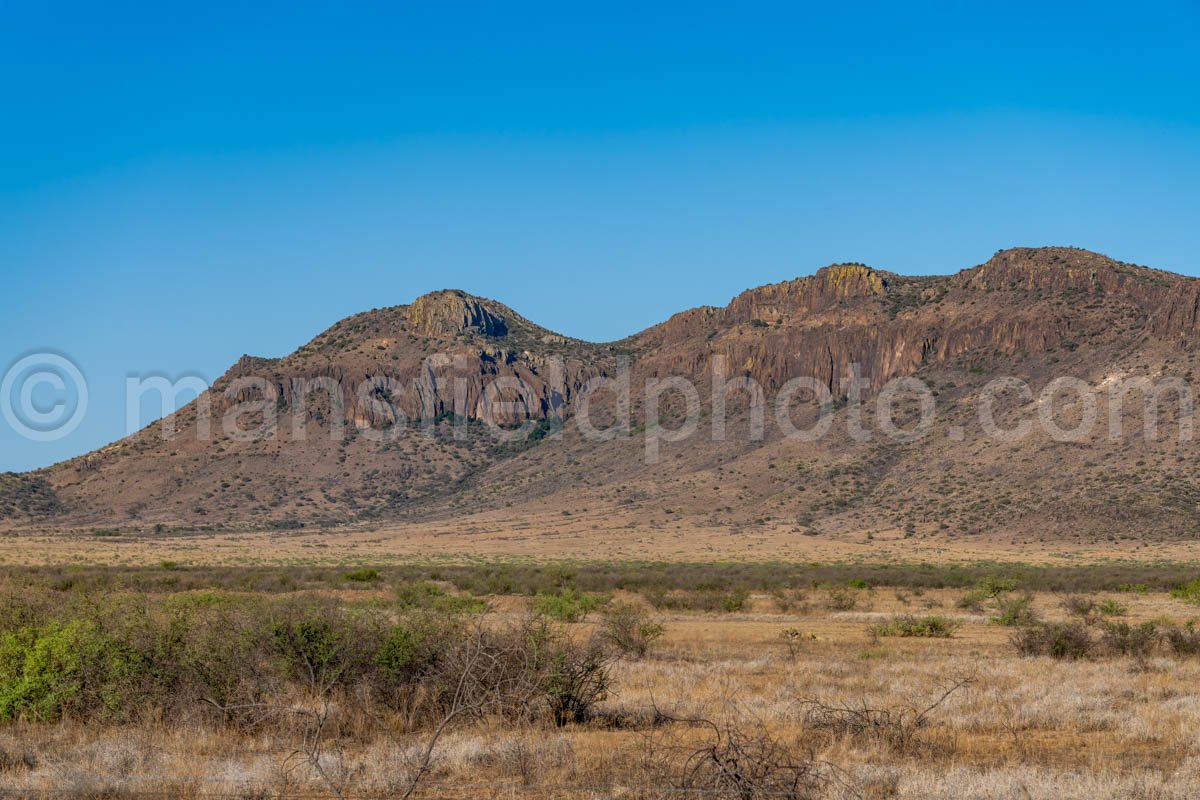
182 186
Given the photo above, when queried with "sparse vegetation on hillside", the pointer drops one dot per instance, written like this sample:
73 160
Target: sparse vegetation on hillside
27 496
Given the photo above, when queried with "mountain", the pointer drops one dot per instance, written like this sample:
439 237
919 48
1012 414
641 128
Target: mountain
397 413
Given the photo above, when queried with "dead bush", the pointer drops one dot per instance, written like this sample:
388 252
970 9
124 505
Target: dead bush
628 629
898 729
741 765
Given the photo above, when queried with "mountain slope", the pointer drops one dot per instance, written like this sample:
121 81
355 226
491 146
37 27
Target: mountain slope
383 415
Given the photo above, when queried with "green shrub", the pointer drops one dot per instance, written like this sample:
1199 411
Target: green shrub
1111 608
993 585
363 575
418 594
430 596
734 600
1188 592
972 600
567 605
934 627
1015 611
70 667
411 649
841 598
323 645
577 679
1121 638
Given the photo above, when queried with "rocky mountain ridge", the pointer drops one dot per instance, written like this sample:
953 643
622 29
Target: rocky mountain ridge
430 373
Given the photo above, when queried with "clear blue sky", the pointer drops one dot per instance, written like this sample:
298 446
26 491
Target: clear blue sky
179 185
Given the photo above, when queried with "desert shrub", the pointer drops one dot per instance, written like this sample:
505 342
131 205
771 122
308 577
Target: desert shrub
488 578
576 679
788 600
934 627
628 629
1121 638
858 583
1077 606
363 576
1112 608
418 594
841 598
459 604
900 729
430 596
252 660
987 588
1061 640
972 601
1188 592
72 667
712 600
1014 611
1183 641
567 605
313 650
735 600
410 650
994 585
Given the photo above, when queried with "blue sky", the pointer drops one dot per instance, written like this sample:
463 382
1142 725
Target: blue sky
179 186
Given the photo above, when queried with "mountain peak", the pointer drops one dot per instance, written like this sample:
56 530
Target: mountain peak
1051 257
851 280
1054 269
453 311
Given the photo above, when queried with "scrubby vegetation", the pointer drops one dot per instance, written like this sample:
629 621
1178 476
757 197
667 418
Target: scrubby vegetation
1075 640
983 583
318 684
215 653
25 495
931 627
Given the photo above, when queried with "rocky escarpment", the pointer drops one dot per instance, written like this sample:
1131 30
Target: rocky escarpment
849 320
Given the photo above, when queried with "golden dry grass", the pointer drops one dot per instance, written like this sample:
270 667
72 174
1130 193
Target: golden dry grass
547 535
1023 728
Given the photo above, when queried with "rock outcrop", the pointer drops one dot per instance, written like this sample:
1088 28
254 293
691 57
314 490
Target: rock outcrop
451 312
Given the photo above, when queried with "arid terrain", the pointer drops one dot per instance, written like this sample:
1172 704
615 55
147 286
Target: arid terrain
341 574
774 681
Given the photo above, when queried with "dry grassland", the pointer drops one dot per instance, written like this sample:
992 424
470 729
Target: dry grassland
720 692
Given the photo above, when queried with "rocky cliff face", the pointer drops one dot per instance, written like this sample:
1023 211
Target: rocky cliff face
450 313
1021 302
